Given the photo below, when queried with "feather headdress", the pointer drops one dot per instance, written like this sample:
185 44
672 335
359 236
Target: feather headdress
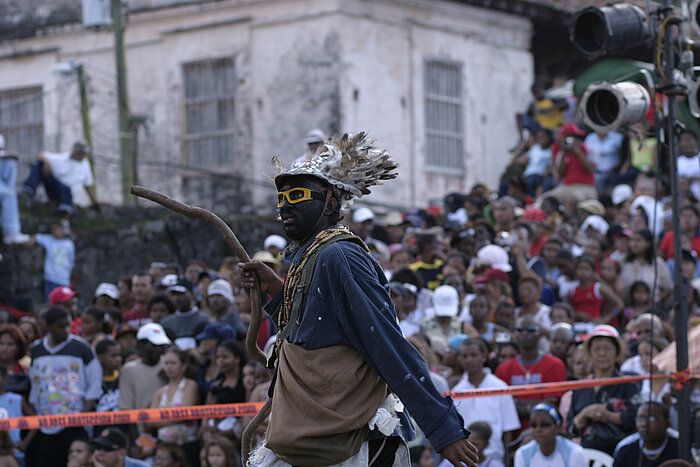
351 164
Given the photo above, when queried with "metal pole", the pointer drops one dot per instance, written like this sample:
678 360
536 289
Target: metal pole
127 163
85 114
680 291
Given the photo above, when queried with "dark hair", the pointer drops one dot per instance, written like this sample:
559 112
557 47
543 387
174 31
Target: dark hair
95 312
406 275
424 240
554 240
143 273
662 407
636 285
584 259
17 335
183 356
477 341
488 226
649 254
54 314
236 349
227 446
690 207
565 255
3 370
164 299
176 452
689 132
482 429
563 306
104 345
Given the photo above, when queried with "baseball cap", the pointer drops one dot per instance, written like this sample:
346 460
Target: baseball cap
571 129
620 194
108 289
61 295
265 256
592 206
275 240
218 331
597 223
315 136
124 329
80 147
168 281
393 218
154 333
492 275
221 287
110 439
445 301
362 214
494 256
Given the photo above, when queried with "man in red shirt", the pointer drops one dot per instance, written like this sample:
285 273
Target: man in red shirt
141 290
577 171
531 367
690 226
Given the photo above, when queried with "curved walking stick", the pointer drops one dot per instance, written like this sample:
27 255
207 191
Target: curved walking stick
233 243
256 310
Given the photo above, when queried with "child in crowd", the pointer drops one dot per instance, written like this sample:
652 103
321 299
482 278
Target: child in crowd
590 295
11 406
59 259
637 302
109 354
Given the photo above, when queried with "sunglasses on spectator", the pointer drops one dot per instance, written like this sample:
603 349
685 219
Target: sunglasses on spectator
532 329
544 425
297 195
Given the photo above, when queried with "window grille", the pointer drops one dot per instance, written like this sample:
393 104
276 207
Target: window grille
209 113
22 120
444 132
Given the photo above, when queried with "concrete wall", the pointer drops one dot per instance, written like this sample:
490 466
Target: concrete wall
338 65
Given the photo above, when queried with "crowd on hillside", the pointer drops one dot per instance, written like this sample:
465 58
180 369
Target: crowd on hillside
563 272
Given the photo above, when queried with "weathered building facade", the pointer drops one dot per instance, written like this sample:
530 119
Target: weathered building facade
221 86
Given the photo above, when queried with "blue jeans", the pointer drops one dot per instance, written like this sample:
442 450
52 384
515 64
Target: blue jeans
9 216
54 189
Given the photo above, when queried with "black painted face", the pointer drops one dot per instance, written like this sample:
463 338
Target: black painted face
300 219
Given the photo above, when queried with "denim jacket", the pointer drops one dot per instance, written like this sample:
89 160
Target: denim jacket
348 303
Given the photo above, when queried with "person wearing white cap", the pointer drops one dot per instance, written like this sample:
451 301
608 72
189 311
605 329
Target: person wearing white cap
275 244
106 295
9 212
139 379
444 323
495 257
220 298
313 140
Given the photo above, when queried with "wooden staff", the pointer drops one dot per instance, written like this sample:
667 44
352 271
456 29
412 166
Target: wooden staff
256 310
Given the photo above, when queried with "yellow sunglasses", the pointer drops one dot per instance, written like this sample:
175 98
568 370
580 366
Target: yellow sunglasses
297 195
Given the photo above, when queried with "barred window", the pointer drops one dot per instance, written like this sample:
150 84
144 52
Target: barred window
209 102
444 132
22 120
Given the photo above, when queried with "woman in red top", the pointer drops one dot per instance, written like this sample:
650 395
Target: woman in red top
590 295
571 163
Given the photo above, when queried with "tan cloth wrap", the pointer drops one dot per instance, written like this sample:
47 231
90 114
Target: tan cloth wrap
322 402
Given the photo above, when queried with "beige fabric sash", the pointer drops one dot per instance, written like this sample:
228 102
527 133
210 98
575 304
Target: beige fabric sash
322 402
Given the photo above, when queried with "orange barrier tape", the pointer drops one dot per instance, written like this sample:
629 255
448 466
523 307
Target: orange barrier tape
131 416
196 412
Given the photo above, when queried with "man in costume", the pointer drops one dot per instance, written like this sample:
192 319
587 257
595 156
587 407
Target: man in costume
343 369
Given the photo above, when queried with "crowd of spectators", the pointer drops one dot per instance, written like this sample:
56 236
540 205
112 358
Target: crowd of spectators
564 272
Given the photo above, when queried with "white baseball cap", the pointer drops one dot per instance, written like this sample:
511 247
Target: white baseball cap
494 256
154 333
620 194
446 301
221 287
108 289
362 214
275 240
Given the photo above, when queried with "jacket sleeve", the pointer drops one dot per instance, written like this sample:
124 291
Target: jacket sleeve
366 316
